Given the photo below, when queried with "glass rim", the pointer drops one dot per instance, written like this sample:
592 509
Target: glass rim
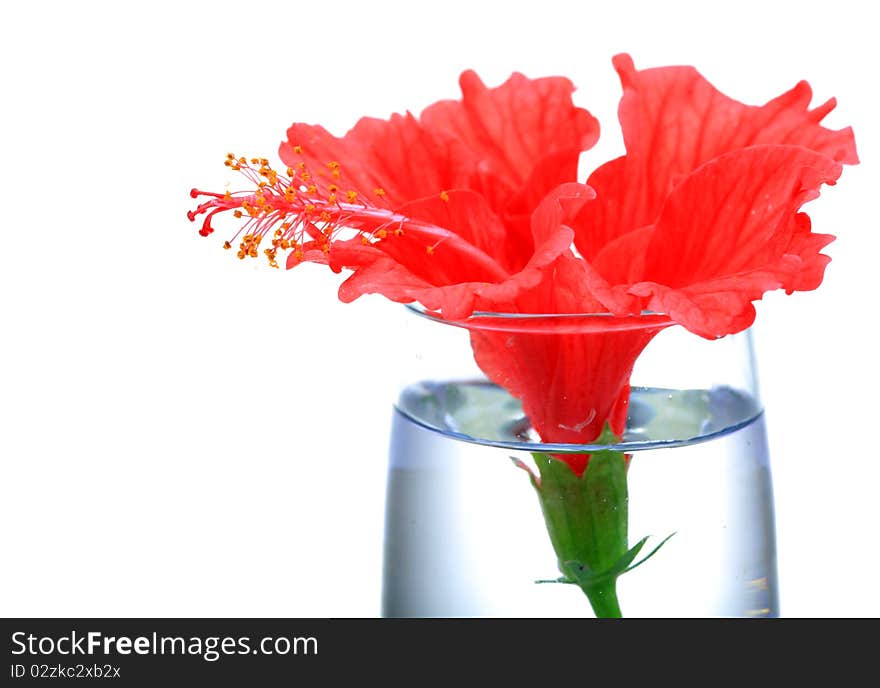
626 446
558 323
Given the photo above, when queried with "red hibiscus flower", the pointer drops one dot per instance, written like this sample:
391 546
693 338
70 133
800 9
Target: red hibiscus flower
474 205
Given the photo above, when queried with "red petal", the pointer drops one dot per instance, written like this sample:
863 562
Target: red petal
622 260
559 207
730 232
552 280
549 172
464 213
710 315
514 295
563 288
723 217
375 272
806 246
617 209
506 131
614 298
519 141
396 155
673 121
457 275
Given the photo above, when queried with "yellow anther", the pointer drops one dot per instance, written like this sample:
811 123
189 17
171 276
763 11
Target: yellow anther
335 174
312 189
398 232
289 172
333 165
297 149
227 245
351 195
331 198
444 196
381 234
379 191
365 241
429 250
237 213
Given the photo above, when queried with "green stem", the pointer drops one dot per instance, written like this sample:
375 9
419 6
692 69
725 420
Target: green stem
603 599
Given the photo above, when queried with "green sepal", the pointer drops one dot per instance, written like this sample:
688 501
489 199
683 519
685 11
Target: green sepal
586 577
586 517
649 555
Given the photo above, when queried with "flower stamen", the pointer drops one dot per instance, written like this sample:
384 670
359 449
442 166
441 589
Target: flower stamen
305 222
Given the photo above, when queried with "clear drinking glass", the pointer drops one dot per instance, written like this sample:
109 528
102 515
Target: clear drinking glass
464 532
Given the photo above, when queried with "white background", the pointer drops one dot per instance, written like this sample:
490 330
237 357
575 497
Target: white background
185 435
